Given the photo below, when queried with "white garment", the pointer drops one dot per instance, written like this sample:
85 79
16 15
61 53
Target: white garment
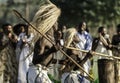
84 38
70 78
18 46
85 44
100 49
82 41
1 77
24 61
38 74
73 77
24 64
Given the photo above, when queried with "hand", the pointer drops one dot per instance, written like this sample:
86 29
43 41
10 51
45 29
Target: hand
90 53
23 40
55 48
110 46
62 67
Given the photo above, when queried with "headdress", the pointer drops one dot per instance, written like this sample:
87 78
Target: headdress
46 17
68 37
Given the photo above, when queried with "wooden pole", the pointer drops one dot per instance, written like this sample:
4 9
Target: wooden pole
95 53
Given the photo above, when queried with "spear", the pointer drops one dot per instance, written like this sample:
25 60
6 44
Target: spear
95 53
20 16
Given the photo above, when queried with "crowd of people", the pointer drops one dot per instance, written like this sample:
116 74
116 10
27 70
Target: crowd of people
54 54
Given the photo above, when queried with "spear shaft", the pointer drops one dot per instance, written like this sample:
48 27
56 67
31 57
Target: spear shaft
95 53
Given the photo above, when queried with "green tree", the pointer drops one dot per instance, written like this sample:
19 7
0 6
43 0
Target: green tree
95 12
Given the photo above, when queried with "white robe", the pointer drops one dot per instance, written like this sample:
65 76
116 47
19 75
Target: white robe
37 74
24 62
85 44
100 49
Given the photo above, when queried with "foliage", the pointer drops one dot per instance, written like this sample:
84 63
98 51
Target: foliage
53 79
94 12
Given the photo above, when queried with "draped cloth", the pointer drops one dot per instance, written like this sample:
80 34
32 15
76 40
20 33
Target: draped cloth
85 44
25 59
24 64
38 74
71 77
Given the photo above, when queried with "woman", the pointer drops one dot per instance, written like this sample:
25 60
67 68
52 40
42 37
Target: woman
25 57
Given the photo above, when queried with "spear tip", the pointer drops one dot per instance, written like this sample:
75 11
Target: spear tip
17 13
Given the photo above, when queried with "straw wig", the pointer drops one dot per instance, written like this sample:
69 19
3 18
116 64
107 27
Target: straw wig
68 37
46 17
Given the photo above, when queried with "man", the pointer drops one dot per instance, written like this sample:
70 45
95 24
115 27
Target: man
101 44
8 30
116 41
116 52
43 48
7 54
71 74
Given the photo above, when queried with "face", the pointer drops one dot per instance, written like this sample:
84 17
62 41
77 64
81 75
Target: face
59 34
64 29
22 29
9 28
104 31
84 26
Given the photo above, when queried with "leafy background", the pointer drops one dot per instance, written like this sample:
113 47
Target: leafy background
95 12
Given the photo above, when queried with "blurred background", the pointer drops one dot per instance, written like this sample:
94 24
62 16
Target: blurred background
94 12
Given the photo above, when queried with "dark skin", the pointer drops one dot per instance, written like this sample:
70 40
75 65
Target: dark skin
81 27
116 43
116 38
8 30
3 41
103 33
43 49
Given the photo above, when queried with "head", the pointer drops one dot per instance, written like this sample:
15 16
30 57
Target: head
64 28
58 35
69 36
118 29
102 30
7 27
82 27
20 27
46 18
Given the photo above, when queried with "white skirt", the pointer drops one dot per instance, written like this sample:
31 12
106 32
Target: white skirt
38 74
73 77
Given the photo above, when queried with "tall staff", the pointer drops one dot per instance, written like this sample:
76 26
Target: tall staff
95 53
